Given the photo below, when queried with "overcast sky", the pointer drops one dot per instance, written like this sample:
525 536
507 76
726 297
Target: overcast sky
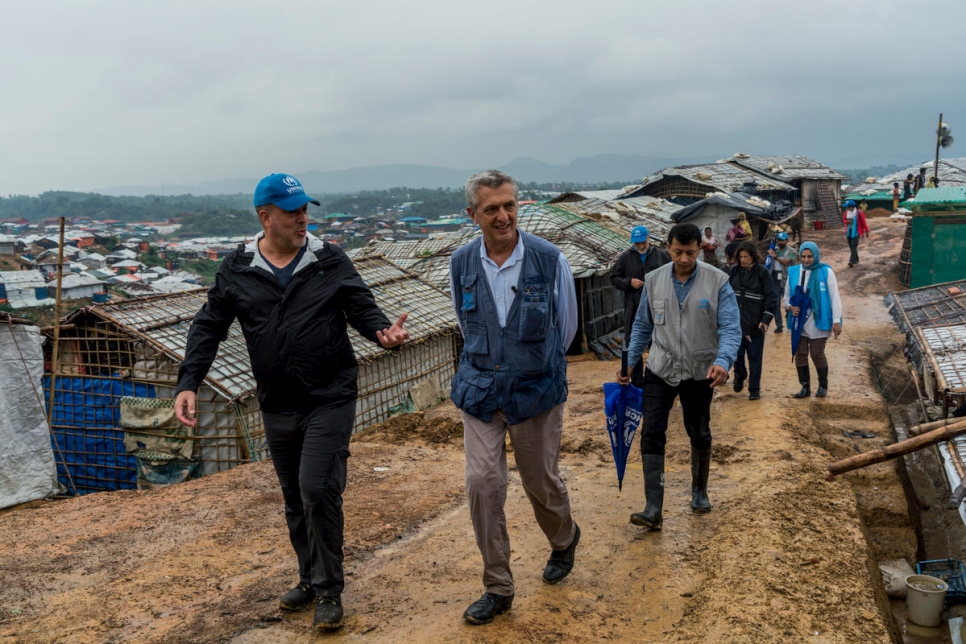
95 94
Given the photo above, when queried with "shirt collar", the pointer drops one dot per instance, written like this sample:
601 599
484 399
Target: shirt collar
514 257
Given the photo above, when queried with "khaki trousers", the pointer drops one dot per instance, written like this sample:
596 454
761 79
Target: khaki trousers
536 449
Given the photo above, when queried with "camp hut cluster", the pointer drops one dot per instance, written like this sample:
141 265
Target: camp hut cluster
114 361
877 192
591 233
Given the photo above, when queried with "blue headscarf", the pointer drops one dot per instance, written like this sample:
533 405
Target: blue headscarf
815 276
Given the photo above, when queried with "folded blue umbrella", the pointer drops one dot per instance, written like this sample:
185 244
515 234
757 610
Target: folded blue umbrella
622 406
801 300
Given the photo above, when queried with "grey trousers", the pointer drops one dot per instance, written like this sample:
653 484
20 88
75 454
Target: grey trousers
536 449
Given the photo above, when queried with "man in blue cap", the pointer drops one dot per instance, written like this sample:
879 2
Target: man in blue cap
293 295
782 256
627 275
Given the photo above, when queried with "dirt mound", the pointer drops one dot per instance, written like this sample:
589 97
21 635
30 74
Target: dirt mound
878 212
405 428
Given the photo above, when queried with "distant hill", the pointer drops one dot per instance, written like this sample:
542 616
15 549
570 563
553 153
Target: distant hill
593 169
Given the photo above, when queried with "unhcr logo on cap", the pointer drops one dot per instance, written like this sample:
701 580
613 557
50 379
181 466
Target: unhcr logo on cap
282 190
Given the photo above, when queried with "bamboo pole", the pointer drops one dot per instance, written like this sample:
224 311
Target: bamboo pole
936 424
897 449
54 357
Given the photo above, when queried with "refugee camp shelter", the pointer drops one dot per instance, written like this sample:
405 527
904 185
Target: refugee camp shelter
686 184
818 188
720 209
27 470
128 353
938 235
23 289
952 173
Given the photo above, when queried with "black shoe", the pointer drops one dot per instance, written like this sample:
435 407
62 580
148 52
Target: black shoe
700 468
299 598
754 395
739 384
822 383
821 392
805 379
804 392
328 614
561 561
779 329
484 609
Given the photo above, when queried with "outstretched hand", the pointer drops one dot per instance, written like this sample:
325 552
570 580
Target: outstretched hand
394 335
717 375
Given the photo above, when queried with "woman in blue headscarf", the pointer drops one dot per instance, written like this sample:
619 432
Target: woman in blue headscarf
823 319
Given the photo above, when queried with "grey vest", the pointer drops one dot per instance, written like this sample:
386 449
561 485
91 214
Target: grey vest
684 343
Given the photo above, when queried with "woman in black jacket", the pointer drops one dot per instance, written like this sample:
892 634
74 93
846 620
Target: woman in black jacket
757 299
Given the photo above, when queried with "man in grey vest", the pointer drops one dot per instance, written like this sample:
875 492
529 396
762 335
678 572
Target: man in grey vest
689 315
516 305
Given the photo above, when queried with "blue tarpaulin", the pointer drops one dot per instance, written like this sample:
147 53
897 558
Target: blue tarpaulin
86 432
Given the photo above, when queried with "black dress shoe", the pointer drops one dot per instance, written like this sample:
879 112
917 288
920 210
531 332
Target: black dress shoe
484 609
754 395
299 598
328 614
739 384
561 561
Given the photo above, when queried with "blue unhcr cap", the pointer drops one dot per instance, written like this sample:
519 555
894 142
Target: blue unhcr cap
282 190
782 235
639 234
850 204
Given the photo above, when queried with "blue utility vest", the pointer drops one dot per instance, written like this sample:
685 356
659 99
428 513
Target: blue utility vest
521 368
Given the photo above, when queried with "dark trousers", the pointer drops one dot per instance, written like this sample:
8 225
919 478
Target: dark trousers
658 397
854 247
754 348
780 286
309 452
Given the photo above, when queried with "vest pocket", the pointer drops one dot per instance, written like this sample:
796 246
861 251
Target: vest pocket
468 284
475 339
658 308
471 389
534 311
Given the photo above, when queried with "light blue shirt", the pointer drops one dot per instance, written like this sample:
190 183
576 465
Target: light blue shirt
503 281
729 322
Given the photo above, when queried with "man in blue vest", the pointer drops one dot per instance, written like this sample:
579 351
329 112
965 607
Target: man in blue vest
516 305
690 316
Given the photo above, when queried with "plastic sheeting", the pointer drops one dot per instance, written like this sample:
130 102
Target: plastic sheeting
27 470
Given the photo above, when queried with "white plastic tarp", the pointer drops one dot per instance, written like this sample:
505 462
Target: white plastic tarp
27 469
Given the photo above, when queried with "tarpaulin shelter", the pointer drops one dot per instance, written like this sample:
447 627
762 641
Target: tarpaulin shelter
27 470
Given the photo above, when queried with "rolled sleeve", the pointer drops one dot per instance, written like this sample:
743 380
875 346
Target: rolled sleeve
729 327
641 331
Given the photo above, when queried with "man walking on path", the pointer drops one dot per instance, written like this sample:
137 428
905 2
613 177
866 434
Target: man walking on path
516 305
292 295
690 315
627 276
782 256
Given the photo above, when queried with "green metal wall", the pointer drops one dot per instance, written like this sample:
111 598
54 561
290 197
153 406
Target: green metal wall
938 248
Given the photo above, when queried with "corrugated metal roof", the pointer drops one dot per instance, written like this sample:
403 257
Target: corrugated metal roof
728 177
946 346
940 195
24 279
792 167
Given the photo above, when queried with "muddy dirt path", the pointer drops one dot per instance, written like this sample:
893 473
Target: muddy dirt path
784 555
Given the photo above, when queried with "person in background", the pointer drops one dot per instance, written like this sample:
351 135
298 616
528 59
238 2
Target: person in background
895 197
516 305
293 296
824 317
782 256
920 182
738 232
731 254
932 182
689 310
757 301
627 276
855 228
709 247
907 187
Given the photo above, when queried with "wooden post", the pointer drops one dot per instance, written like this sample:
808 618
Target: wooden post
897 449
939 136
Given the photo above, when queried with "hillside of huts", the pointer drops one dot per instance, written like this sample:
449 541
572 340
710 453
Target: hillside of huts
111 367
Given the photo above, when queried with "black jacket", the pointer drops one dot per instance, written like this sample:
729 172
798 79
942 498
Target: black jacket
757 297
300 352
629 266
